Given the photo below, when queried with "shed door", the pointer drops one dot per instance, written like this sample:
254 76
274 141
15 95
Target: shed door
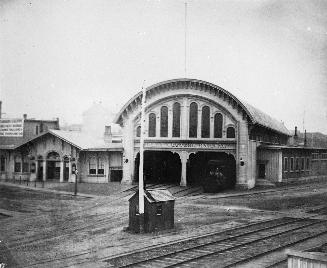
262 171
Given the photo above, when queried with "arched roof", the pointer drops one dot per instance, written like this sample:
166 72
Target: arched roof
253 115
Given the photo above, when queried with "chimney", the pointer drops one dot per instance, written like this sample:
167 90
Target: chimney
107 136
295 132
25 116
305 137
57 126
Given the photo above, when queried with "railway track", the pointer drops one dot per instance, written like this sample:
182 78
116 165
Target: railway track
227 248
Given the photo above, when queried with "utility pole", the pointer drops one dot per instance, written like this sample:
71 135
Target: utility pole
141 175
185 39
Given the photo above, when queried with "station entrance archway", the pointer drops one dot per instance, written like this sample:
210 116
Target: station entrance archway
198 164
159 167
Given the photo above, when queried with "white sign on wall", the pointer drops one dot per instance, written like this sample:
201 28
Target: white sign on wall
11 127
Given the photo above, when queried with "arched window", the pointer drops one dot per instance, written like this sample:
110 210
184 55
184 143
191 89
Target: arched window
205 122
230 132
100 166
138 131
193 122
152 125
164 121
218 125
92 166
176 120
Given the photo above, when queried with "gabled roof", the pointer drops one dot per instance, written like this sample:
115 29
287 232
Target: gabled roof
79 140
156 195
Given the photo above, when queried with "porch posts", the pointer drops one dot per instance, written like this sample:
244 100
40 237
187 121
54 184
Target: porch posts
61 178
69 171
184 157
44 170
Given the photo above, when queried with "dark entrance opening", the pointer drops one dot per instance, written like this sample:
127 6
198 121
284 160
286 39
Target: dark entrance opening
159 167
53 166
198 166
66 169
262 171
40 169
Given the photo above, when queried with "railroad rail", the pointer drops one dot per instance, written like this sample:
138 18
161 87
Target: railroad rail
226 248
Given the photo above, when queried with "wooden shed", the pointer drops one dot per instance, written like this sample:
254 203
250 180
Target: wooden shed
158 211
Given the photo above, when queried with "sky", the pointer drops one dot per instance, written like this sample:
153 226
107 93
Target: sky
58 57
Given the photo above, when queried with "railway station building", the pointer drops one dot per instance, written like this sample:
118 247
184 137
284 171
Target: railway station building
188 123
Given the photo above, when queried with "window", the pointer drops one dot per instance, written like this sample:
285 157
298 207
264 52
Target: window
41 127
32 167
296 163
92 166
164 121
292 164
205 122
285 164
96 166
218 125
308 164
18 165
176 119
138 131
152 125
230 132
25 166
37 130
302 163
193 122
100 166
2 164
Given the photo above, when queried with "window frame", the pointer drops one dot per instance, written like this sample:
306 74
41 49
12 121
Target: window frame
205 122
291 164
218 129
193 120
164 117
230 127
176 128
152 128
285 165
94 166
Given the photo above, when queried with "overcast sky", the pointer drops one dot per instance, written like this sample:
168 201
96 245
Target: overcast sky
58 57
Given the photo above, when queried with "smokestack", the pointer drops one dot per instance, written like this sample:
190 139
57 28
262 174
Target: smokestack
0 109
305 137
295 132
107 136
25 116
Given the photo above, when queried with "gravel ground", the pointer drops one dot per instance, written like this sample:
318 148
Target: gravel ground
60 230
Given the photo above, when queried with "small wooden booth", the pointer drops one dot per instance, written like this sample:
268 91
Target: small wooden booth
158 211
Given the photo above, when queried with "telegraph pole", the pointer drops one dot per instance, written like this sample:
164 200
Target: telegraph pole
141 175
185 38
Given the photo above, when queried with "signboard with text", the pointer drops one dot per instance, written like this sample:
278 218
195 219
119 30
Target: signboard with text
11 127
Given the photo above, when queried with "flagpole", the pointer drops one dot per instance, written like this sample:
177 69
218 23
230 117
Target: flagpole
141 176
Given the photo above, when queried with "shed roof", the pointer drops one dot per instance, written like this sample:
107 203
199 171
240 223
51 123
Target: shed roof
156 195
266 120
